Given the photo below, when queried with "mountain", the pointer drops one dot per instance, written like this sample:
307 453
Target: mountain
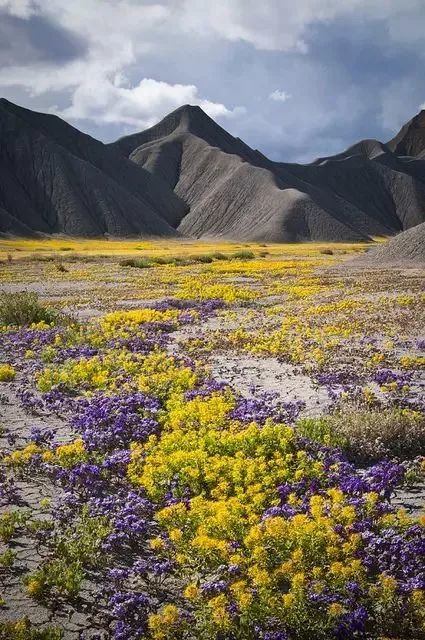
406 247
55 179
188 176
236 192
410 140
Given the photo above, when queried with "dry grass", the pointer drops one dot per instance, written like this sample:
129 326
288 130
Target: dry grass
369 435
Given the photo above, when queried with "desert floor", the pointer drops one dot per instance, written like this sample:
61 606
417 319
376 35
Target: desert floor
303 335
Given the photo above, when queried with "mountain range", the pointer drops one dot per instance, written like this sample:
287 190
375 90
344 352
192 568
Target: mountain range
187 176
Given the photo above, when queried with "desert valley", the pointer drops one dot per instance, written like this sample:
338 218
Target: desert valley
212 381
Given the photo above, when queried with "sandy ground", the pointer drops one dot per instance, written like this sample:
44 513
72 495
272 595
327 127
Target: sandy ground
249 373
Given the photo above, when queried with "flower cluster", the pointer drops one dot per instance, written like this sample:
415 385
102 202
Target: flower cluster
198 513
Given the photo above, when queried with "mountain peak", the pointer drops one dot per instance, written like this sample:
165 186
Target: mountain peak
188 120
410 140
188 117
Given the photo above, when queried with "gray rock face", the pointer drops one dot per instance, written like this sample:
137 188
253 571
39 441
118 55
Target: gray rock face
410 140
407 247
55 179
188 176
236 192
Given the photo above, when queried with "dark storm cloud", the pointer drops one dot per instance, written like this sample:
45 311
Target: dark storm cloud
36 39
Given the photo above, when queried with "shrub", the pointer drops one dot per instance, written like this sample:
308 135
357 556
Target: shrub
138 263
128 262
206 258
243 255
263 254
368 435
65 248
327 252
182 262
217 255
163 260
7 373
24 308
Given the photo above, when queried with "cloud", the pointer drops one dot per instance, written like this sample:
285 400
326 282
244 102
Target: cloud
106 101
283 25
34 40
116 37
279 96
119 65
18 8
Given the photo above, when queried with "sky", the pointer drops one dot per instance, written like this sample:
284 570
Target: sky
296 79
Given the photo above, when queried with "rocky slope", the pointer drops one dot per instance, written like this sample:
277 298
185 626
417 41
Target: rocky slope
55 179
407 247
234 191
188 176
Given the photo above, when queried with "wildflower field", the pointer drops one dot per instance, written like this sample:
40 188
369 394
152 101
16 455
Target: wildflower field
210 442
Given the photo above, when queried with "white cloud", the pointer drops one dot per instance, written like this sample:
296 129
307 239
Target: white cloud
279 96
117 35
281 25
18 8
106 101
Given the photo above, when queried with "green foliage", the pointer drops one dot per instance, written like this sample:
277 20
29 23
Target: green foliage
217 255
180 261
138 263
39 524
204 258
244 254
24 308
7 558
319 430
163 260
82 542
59 574
77 546
23 630
10 521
